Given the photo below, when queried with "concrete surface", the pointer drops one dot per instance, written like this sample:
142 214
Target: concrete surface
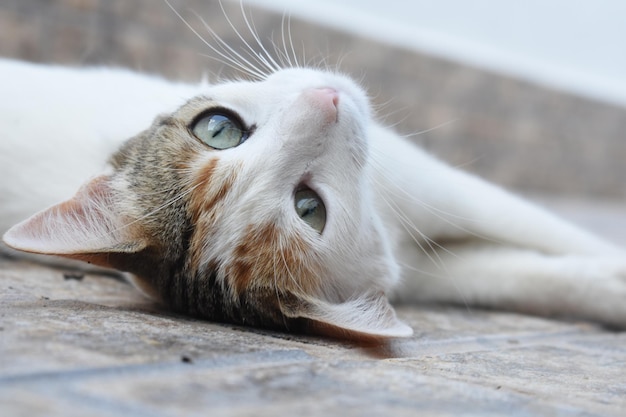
74 345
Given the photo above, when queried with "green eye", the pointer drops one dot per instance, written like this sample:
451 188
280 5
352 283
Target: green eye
219 131
310 208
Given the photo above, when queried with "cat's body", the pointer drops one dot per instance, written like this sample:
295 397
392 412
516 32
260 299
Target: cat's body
214 232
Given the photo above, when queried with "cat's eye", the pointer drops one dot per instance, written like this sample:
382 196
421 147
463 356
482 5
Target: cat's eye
310 208
219 130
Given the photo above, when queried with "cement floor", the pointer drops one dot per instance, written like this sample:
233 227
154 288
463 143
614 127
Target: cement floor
92 346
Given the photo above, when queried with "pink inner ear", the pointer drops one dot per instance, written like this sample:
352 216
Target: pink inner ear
90 222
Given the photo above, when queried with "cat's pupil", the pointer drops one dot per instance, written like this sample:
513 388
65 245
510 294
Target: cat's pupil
310 208
219 131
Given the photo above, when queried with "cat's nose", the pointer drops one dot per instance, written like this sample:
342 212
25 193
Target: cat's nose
328 94
325 100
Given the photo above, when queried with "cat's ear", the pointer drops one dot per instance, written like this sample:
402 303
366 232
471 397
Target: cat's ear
90 226
369 316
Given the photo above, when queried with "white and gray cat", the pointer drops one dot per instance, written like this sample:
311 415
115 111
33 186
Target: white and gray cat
279 203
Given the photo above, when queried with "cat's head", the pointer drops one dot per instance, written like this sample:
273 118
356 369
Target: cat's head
249 204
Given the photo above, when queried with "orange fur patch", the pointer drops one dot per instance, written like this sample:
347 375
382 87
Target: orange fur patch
204 198
264 258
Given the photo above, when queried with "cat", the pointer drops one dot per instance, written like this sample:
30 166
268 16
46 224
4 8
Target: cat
278 202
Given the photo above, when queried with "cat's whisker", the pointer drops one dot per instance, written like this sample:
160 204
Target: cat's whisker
230 65
322 62
410 226
468 163
165 191
229 53
183 172
338 64
283 52
402 111
424 131
314 61
411 229
168 203
440 214
264 57
379 108
278 295
277 54
402 193
447 277
293 49
303 58
226 53
292 278
423 272
446 216
281 48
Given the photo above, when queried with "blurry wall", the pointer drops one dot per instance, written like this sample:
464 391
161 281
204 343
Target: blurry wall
509 131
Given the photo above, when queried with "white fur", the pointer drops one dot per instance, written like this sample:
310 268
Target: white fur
58 126
61 125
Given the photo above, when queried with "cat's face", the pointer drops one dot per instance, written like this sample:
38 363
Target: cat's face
249 204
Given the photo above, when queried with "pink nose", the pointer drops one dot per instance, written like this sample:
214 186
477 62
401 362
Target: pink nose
326 100
327 93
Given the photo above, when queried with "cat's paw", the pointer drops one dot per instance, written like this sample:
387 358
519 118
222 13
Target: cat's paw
602 292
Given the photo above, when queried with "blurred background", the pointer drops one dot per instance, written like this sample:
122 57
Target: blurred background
527 94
